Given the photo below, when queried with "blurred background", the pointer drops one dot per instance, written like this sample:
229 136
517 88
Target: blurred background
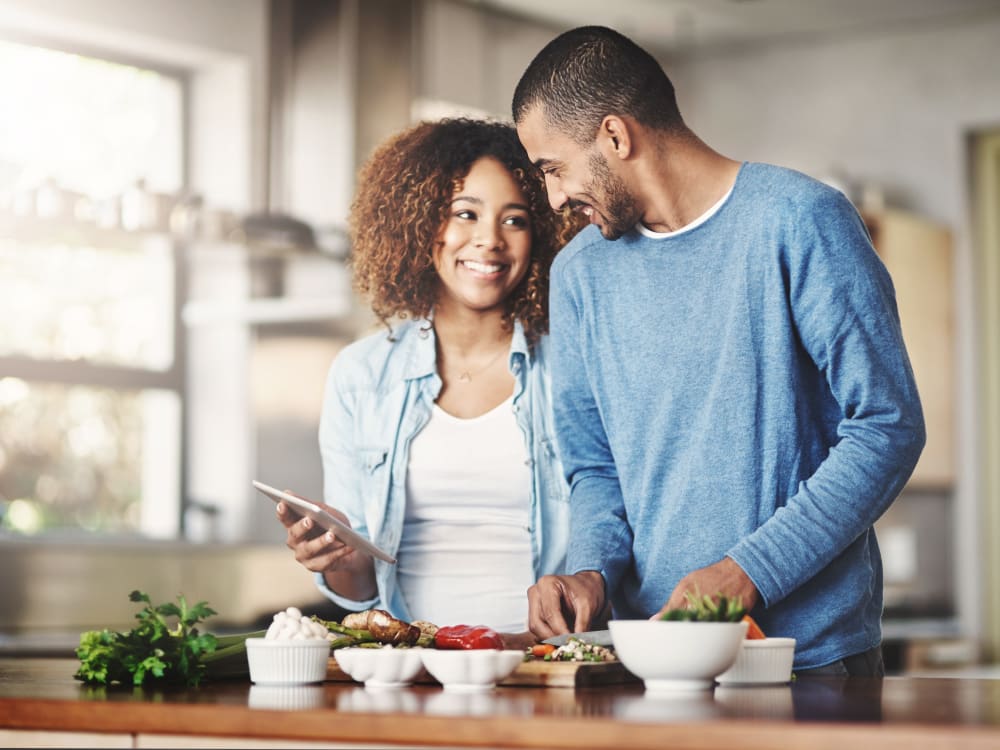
175 177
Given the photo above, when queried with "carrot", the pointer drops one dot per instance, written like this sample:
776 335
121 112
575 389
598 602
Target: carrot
753 629
542 649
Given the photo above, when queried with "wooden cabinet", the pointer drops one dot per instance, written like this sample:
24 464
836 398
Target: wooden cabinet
918 255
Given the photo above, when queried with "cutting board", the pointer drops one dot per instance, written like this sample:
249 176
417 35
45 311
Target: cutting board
538 673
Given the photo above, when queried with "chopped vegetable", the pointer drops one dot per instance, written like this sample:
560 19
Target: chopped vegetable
152 651
753 629
577 649
541 649
467 637
707 609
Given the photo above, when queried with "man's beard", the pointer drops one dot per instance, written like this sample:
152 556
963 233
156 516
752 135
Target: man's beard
621 211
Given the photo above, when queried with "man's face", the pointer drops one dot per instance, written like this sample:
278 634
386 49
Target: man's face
579 176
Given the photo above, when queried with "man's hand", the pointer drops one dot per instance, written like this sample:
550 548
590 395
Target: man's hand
724 577
553 599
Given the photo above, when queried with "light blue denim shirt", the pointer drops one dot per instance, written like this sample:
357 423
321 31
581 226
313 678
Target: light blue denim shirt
379 395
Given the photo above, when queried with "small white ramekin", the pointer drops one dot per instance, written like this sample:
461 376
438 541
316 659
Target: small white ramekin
761 661
287 662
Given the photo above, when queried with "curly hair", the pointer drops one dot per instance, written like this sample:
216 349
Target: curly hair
402 201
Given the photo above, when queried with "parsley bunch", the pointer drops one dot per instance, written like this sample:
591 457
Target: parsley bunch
152 651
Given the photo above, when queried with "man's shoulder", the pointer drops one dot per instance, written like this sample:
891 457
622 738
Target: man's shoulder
587 239
770 181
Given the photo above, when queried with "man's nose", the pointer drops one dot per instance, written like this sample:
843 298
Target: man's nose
557 198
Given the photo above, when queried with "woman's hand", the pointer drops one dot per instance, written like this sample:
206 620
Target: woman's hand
347 571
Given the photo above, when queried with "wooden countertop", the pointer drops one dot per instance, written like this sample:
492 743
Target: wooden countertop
897 712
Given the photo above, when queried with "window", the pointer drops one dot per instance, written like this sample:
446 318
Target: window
91 376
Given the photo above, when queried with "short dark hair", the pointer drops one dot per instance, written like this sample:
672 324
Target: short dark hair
589 72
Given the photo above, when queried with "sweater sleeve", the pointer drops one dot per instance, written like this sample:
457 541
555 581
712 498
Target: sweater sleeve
600 537
844 310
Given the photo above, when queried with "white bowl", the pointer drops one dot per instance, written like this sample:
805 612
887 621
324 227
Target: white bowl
384 667
677 655
470 669
287 662
761 661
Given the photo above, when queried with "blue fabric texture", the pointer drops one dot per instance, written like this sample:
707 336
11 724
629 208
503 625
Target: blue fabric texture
740 389
379 394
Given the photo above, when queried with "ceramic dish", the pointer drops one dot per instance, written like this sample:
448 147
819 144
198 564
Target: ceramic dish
763 661
677 655
287 662
470 669
384 667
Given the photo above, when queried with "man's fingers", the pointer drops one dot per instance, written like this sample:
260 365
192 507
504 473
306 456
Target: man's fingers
545 608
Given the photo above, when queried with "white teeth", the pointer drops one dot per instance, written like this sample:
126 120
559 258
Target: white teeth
587 211
482 267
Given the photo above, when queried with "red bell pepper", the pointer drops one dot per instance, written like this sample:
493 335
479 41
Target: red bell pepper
467 636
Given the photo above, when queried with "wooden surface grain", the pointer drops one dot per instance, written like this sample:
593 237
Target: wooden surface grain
910 713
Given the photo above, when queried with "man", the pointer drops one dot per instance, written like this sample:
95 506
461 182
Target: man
734 404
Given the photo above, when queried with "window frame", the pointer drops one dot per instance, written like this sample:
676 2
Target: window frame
33 230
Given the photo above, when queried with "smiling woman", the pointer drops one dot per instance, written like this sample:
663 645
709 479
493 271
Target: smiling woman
436 435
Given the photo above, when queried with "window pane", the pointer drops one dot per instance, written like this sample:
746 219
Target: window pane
103 305
75 457
91 126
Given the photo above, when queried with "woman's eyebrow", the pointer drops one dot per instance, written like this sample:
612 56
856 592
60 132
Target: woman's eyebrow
479 202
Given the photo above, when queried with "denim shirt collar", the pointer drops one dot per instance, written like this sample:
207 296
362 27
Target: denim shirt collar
421 350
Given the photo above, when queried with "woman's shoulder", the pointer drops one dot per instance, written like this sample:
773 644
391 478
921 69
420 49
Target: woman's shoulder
384 356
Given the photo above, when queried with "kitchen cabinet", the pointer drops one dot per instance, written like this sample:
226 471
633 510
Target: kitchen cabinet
918 255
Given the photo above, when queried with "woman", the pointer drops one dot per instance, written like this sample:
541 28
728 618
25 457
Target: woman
436 437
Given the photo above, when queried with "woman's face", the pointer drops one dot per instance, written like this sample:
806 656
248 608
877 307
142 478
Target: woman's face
484 248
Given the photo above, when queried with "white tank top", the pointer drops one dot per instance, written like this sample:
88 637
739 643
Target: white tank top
465 554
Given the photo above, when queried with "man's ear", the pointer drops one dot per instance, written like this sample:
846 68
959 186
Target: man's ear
615 135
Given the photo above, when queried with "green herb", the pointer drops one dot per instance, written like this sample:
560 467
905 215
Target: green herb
153 651
706 609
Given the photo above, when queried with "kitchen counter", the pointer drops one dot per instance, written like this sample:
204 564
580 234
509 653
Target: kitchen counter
39 697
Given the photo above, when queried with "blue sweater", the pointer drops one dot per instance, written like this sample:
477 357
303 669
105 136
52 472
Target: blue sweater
739 389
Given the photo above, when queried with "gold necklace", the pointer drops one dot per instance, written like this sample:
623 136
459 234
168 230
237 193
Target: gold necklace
465 376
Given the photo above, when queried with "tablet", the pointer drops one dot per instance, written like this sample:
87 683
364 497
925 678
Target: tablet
342 531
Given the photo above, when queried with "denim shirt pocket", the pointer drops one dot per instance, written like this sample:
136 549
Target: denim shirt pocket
372 458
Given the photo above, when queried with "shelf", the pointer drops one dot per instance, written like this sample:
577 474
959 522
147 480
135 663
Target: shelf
264 310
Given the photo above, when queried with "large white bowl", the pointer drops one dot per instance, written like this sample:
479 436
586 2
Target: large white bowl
761 661
675 655
470 669
287 662
384 667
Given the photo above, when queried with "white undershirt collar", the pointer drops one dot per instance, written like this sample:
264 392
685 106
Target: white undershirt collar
647 232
